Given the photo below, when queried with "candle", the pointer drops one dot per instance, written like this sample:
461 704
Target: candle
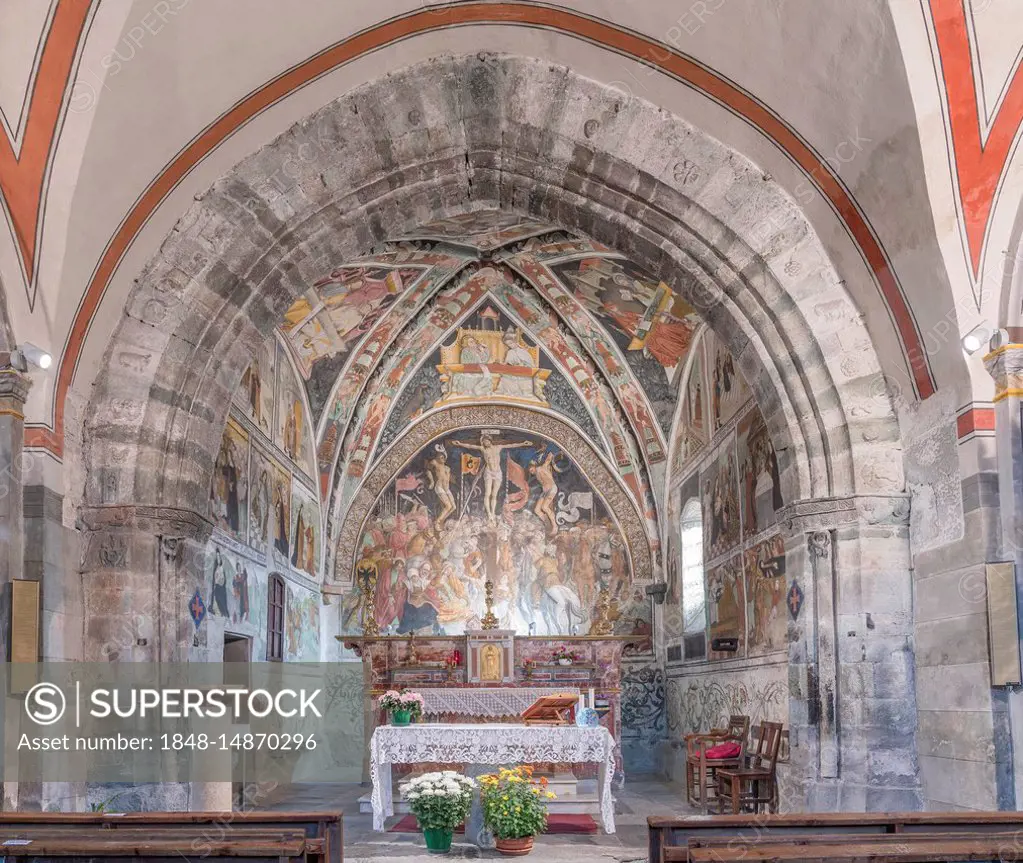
593 698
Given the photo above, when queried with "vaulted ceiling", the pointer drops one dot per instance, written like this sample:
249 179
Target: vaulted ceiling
891 124
491 307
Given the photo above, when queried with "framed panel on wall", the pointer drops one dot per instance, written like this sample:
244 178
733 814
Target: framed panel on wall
1003 624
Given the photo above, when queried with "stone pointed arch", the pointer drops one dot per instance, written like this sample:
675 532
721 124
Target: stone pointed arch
508 134
492 131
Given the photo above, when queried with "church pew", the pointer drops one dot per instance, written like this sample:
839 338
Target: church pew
908 848
895 846
675 832
322 830
96 845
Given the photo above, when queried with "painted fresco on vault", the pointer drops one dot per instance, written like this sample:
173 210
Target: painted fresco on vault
491 361
229 490
758 474
503 504
652 325
720 504
352 300
255 394
408 349
728 389
293 431
488 341
766 589
726 606
305 531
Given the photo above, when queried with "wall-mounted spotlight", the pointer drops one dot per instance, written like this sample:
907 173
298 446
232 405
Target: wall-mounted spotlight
976 338
999 339
27 353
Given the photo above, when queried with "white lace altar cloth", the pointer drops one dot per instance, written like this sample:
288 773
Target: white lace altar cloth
493 745
483 701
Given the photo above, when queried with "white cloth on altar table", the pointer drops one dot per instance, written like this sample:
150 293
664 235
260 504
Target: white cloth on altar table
486 701
492 745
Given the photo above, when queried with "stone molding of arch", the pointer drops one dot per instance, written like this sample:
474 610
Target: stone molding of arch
609 487
489 131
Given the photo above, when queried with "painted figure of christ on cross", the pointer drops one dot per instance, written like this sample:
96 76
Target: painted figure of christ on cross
493 475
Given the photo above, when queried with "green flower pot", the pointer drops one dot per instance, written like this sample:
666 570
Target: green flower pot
401 717
438 840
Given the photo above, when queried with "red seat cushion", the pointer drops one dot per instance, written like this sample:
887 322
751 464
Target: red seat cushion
730 749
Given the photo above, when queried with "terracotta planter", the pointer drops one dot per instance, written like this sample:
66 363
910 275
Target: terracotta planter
515 847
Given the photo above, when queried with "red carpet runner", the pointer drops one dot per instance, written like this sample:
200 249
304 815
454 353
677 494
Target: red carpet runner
561 823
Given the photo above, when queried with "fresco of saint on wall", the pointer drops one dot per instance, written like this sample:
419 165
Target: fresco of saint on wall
758 472
726 606
255 395
229 490
293 433
720 504
501 504
728 388
765 575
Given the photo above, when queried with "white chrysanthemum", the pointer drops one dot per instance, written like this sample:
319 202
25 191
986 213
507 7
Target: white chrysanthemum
448 773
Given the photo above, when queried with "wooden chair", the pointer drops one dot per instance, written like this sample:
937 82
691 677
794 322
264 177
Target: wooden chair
701 770
754 784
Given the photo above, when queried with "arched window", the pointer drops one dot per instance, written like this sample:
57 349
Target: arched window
275 618
694 603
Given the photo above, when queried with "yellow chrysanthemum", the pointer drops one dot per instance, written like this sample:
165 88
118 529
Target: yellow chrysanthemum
550 795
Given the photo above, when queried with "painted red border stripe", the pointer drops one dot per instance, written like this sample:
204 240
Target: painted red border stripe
978 164
974 420
21 176
638 47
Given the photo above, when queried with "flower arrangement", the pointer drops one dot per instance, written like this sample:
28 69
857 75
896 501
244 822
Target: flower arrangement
563 656
401 702
440 801
514 804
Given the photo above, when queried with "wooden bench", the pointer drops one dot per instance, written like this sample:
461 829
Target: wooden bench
901 847
95 848
318 835
669 837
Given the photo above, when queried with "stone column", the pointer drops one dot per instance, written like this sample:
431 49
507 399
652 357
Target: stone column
851 677
14 388
140 565
1006 367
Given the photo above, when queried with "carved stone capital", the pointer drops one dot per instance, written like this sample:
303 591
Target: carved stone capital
14 386
829 513
819 544
1005 365
163 521
170 547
